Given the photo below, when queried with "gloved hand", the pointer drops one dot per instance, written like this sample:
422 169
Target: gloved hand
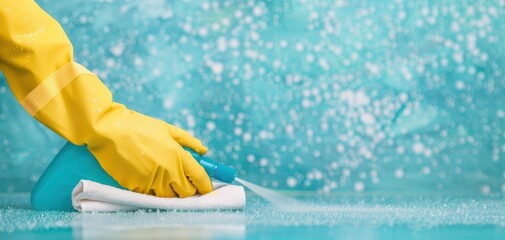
142 153
145 154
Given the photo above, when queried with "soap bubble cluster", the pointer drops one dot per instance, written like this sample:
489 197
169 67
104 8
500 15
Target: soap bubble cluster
297 94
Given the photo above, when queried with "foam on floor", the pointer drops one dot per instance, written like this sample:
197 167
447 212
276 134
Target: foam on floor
328 214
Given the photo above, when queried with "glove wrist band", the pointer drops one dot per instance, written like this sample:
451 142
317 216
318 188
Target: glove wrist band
52 86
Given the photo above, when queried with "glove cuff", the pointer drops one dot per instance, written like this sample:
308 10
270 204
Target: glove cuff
52 86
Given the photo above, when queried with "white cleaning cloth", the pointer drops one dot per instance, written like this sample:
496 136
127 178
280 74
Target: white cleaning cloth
89 196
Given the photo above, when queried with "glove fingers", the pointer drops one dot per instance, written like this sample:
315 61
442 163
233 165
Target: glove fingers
167 192
183 188
174 186
196 174
161 185
186 140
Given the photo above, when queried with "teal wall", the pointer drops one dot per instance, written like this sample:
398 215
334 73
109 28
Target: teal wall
306 95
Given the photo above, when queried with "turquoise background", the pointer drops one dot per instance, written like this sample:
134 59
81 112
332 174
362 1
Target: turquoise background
331 96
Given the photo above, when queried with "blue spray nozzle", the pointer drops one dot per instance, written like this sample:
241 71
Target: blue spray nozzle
54 189
215 169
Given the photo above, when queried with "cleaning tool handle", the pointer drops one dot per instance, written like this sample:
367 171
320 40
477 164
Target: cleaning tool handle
215 169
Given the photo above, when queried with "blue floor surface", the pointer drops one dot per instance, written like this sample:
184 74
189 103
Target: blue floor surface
335 216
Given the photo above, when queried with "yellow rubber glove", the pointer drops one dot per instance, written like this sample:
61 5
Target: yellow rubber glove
142 153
